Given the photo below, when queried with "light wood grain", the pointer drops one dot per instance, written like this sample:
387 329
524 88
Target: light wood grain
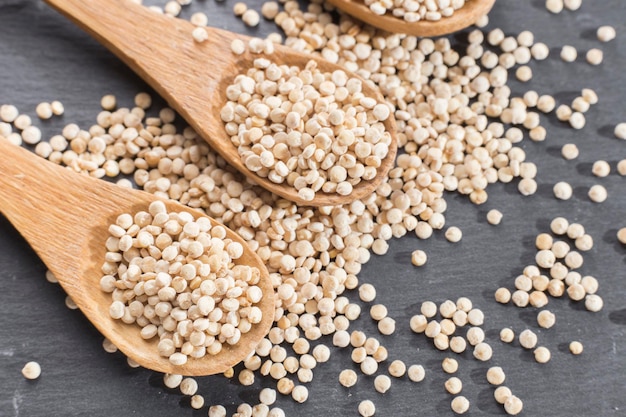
462 18
64 216
193 77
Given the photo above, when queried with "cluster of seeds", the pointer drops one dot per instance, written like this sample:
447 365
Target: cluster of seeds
177 278
315 131
556 275
446 333
415 10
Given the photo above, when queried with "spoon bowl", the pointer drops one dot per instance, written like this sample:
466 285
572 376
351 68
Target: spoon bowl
193 77
65 218
467 15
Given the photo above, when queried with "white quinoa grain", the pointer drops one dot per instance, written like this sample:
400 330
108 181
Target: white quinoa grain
524 73
569 151
382 383
559 225
197 401
482 351
416 373
597 193
594 56
593 303
528 339
418 257
606 33
449 365
32 370
397 368
513 405
495 375
621 235
540 51
367 408
576 348
620 131
562 190
108 102
251 18
568 53
542 354
239 8
200 34
347 378
44 110
300 393
507 335
577 120
453 234
494 217
554 6
503 295
453 385
378 312
8 113
572 5
601 168
501 394
546 319
460 404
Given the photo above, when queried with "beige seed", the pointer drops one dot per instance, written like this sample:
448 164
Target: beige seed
577 120
513 405
251 18
524 73
528 339
495 375
559 226
239 8
453 234
200 34
367 292
503 295
453 385
594 56
620 131
460 404
572 4
568 53
367 408
387 326
545 258
601 169
108 102
543 241
542 354
197 402
382 383
418 257
576 348
546 319
44 111
569 151
527 186
593 303
597 193
378 312
32 370
449 365
501 394
606 33
482 351
300 393
494 217
554 6
416 373
397 368
348 378
621 235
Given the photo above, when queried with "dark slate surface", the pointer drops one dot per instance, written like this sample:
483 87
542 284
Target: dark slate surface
43 57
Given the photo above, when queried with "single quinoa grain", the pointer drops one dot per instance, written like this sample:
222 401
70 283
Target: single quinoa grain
31 370
576 348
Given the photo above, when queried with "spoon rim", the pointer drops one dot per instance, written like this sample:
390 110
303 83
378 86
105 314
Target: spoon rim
473 9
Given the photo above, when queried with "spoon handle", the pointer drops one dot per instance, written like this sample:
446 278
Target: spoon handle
52 207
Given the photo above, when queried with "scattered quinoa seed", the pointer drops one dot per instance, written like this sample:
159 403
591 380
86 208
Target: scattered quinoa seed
31 370
576 348
460 404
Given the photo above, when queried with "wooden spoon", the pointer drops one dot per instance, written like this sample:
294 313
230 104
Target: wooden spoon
65 217
462 18
193 77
